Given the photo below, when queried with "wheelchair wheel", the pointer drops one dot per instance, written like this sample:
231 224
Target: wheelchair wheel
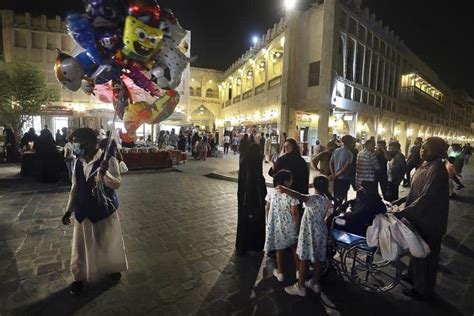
366 268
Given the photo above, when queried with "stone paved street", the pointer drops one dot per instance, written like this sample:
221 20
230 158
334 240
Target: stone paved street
179 231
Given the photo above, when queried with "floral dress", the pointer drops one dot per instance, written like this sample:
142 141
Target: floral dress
281 232
313 235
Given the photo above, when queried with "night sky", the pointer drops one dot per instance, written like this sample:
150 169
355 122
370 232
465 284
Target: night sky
437 31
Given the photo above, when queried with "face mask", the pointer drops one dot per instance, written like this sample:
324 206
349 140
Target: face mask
76 148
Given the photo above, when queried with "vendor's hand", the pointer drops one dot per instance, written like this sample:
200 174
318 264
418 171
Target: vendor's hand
66 218
104 166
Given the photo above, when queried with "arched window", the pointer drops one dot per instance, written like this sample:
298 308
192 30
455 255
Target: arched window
198 92
210 93
191 91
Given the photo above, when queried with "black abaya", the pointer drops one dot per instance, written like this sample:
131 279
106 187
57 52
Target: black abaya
251 205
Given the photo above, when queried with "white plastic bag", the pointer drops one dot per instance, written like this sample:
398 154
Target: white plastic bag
410 239
379 235
123 167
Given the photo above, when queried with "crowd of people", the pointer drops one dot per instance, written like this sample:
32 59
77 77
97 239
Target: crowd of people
290 217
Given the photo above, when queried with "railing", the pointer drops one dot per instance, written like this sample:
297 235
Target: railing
212 95
260 89
247 95
236 99
274 82
412 91
195 94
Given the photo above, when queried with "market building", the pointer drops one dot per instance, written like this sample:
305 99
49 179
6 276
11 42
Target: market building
34 40
336 69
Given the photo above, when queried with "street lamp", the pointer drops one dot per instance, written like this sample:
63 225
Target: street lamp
290 4
255 40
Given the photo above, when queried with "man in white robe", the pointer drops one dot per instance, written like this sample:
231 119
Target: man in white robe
97 245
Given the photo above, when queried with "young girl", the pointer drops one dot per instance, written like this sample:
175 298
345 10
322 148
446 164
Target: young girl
283 220
312 239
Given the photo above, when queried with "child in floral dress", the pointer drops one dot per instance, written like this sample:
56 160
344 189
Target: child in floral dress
283 220
313 235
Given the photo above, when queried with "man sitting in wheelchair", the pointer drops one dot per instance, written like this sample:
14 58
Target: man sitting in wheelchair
355 216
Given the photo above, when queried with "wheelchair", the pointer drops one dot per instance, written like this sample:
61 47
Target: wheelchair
353 260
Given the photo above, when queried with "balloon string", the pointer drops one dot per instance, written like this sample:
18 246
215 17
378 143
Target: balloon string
102 196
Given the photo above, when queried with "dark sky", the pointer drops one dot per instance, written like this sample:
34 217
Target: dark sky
222 29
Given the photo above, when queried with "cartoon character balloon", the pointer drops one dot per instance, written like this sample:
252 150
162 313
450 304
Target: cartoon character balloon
133 56
68 71
140 40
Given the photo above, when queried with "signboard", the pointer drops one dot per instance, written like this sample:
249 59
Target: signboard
56 110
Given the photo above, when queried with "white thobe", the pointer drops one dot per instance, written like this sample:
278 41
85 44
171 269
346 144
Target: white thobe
97 248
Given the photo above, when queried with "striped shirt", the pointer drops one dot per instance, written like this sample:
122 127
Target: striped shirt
366 166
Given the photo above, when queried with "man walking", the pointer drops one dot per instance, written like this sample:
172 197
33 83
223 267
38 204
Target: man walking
97 243
226 144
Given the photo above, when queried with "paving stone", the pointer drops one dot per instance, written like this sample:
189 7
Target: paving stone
191 284
210 277
201 266
210 252
47 268
181 258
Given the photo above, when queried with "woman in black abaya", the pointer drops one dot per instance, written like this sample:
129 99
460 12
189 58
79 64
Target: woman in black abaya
251 202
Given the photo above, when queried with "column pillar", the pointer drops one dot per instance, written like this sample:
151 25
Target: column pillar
323 125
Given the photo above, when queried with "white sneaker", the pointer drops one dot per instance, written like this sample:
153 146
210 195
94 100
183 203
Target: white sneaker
278 275
313 287
295 290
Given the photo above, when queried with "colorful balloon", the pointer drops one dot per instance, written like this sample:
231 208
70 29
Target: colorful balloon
69 71
140 113
133 61
83 34
147 11
105 14
140 40
170 64
171 27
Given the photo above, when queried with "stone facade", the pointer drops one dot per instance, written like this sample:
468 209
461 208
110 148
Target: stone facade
336 69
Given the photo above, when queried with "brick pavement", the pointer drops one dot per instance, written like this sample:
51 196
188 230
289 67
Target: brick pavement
179 232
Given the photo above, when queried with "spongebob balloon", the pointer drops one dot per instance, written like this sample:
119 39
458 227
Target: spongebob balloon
140 40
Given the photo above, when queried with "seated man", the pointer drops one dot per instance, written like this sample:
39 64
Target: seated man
358 214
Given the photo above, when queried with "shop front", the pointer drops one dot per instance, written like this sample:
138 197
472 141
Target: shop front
307 132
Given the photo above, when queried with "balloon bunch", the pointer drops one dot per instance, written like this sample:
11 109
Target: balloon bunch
133 56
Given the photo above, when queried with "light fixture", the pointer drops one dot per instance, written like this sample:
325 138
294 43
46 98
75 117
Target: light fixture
255 40
239 81
261 66
410 132
249 74
290 4
210 81
277 56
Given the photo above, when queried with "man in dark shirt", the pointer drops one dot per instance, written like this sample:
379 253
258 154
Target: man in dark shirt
413 160
381 174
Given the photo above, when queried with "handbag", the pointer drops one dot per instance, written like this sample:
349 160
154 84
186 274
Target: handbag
123 167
